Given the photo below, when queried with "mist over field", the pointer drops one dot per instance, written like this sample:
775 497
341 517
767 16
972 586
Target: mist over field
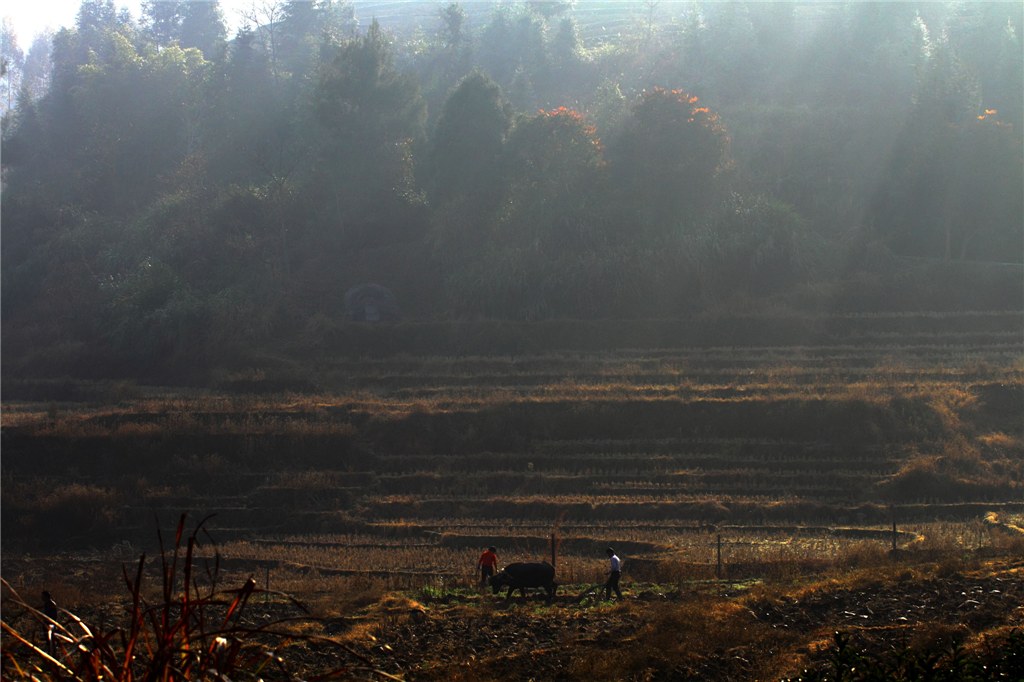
304 304
178 199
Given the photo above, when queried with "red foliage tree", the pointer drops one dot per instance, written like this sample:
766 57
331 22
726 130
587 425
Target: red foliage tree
669 162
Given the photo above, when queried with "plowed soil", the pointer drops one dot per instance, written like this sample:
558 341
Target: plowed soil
937 620
754 635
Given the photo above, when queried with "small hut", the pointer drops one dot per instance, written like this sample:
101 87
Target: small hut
371 303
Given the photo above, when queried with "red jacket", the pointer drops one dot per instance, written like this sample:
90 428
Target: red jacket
488 558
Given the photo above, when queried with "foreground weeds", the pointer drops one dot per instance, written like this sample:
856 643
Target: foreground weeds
190 628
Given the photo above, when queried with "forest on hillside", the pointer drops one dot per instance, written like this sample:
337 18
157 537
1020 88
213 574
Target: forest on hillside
176 196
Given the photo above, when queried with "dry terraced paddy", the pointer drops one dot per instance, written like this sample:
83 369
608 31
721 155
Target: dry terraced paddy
793 447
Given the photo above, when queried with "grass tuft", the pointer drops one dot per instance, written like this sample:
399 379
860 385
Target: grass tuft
188 628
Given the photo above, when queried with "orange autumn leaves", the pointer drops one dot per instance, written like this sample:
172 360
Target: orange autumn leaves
566 119
683 101
568 124
990 115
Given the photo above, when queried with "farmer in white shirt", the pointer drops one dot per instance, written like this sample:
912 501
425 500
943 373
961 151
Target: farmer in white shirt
613 575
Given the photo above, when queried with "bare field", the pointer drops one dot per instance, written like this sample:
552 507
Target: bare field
710 470
863 433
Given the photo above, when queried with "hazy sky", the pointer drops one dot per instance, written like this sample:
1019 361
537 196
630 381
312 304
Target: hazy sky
31 17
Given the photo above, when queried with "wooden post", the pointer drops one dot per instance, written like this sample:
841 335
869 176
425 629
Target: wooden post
266 594
553 550
718 570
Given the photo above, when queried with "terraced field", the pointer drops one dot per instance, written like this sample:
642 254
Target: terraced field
404 465
768 482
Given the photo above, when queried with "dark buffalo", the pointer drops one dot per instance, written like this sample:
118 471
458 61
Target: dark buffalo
521 576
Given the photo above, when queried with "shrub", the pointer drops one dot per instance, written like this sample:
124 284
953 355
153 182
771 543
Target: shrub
754 245
68 512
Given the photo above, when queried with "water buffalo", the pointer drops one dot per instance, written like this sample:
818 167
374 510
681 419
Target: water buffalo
520 576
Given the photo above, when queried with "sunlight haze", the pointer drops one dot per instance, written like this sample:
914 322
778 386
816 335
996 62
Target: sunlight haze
582 340
31 18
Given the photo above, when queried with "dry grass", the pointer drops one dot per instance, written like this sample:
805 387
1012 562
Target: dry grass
397 473
396 388
187 626
701 635
683 639
999 441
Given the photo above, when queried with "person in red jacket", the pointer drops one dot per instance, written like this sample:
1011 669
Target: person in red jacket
487 564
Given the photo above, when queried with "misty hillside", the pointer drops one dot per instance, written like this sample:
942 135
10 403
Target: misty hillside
177 199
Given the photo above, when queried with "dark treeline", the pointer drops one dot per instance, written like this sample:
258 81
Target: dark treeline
174 196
